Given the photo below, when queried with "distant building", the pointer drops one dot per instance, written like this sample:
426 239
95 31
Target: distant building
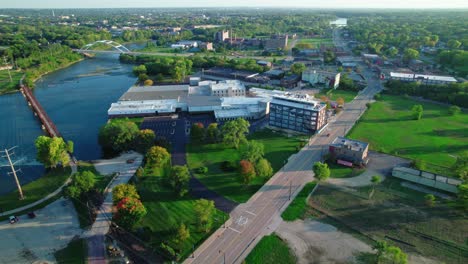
185 44
297 112
422 78
276 42
372 58
206 45
349 151
264 63
221 36
330 79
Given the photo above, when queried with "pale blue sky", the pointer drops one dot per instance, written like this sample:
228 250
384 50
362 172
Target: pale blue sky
244 3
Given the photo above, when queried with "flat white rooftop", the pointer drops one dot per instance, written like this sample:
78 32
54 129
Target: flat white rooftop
422 77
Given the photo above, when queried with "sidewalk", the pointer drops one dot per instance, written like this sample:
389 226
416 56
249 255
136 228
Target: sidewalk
96 235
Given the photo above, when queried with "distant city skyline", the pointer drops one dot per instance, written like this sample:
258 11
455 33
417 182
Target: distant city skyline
239 3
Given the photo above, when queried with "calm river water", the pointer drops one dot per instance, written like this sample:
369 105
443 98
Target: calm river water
76 99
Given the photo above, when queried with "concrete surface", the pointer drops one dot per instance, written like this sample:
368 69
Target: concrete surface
316 242
36 240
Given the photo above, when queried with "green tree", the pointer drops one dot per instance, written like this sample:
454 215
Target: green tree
429 200
70 146
117 136
144 140
454 110
417 111
143 77
82 182
263 168
453 44
141 69
130 211
197 132
461 165
253 151
212 132
235 131
321 171
122 191
179 179
52 151
462 196
247 171
157 156
204 210
298 68
410 54
389 254
181 236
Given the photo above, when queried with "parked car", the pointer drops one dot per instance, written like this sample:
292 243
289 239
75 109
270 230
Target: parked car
13 219
130 161
31 215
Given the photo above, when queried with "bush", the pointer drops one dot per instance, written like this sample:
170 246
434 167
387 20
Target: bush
368 105
377 97
419 164
202 170
454 110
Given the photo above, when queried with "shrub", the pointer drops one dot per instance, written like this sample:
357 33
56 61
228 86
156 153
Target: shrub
202 170
454 110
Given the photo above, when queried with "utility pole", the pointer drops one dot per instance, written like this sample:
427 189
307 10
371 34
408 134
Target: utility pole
290 189
13 171
6 64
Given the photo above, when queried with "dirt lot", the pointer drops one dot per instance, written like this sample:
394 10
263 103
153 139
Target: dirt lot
316 242
36 240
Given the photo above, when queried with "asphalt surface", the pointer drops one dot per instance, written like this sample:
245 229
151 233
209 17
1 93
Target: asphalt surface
252 220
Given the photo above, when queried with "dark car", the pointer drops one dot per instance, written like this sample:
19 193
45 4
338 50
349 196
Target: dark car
130 161
31 215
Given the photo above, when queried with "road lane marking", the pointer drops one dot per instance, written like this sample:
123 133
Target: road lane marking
234 230
250 213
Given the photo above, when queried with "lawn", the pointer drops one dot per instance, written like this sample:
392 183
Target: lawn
278 148
339 171
316 41
298 206
166 211
36 190
271 249
74 253
436 139
399 216
348 96
5 84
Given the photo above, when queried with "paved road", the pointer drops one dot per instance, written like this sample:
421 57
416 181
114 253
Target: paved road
96 235
257 217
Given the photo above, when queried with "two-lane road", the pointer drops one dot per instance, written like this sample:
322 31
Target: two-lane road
252 220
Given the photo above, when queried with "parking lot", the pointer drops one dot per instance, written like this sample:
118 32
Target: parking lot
36 240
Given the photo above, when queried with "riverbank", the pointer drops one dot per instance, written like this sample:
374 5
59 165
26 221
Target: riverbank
57 69
7 87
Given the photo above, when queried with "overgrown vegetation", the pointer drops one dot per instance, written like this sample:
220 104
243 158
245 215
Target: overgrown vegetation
298 206
271 249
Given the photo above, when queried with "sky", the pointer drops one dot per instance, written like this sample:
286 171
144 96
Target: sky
240 3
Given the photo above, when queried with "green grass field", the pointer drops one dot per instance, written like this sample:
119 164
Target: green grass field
316 41
5 84
399 216
166 211
35 190
348 96
298 206
437 138
339 171
74 253
229 184
271 249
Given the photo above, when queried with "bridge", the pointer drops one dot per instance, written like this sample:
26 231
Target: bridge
37 109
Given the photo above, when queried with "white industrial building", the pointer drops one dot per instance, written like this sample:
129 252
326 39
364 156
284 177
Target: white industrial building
330 79
425 79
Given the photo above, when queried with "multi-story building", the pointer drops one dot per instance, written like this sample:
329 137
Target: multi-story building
297 112
349 151
330 79
221 36
276 42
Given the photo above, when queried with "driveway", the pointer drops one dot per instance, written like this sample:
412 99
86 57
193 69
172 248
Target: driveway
379 164
36 240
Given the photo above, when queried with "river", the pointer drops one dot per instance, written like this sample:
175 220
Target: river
76 99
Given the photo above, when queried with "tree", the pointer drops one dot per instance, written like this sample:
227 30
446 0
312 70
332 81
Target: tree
321 171
263 168
140 172
234 132
212 132
374 180
179 179
70 146
389 254
197 132
340 101
417 111
82 182
253 151
143 77
148 82
52 151
117 136
122 191
141 69
461 165
462 196
247 171
453 44
157 156
130 211
429 200
204 210
144 140
420 164
454 110
410 54
298 68
181 236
